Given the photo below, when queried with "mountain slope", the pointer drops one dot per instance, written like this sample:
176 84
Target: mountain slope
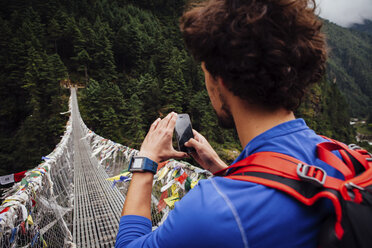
350 66
365 27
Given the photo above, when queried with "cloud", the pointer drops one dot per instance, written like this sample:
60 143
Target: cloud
345 12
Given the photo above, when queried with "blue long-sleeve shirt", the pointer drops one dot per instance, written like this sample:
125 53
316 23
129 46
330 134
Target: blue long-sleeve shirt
221 212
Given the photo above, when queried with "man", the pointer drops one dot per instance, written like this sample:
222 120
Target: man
258 57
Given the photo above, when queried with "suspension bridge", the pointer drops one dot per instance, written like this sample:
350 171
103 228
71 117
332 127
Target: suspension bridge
75 196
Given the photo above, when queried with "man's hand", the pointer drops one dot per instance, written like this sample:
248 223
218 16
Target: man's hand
158 142
204 153
157 146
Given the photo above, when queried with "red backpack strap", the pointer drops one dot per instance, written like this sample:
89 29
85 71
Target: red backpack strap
324 151
305 183
285 166
357 159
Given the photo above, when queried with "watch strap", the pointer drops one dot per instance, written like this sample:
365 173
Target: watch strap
146 165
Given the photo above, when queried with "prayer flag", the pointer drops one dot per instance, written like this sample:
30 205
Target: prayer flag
7 179
188 184
23 229
24 182
182 178
5 210
29 220
174 189
194 183
125 174
171 200
163 173
175 172
162 204
12 237
18 176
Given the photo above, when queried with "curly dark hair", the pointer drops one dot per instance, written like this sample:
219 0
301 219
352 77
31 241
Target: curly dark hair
266 51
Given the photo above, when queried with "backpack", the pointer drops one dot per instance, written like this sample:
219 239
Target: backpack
351 225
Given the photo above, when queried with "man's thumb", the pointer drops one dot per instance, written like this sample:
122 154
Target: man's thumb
192 143
179 155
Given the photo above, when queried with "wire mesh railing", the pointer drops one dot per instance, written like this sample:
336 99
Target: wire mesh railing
37 211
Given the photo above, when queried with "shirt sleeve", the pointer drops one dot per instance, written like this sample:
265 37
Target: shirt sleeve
201 219
132 227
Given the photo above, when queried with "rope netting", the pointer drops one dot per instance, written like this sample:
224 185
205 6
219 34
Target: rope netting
36 212
39 210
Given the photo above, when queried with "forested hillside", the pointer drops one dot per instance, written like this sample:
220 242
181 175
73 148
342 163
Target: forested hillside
365 27
131 57
350 67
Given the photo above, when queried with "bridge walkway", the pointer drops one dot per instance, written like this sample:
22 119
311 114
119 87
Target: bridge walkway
97 206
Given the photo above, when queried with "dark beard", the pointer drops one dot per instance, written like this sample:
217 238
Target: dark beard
225 120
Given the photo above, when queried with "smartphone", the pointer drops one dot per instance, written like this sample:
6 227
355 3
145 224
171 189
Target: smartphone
183 132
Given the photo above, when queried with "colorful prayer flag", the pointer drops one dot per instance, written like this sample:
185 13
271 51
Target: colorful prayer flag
171 200
29 220
182 178
162 204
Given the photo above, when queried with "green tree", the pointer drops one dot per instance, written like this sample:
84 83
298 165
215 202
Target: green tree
148 93
174 85
133 123
55 32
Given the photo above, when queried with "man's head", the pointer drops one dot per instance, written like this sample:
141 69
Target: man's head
266 52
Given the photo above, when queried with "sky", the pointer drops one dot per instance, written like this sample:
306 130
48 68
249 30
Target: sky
345 12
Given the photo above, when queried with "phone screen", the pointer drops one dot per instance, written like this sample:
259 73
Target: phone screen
184 132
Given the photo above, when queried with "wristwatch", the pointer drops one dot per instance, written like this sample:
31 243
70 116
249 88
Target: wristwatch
142 164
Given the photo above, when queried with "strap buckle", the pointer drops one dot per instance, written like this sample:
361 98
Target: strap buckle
354 147
312 174
351 185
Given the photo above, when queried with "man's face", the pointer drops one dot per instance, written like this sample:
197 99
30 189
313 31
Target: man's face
218 100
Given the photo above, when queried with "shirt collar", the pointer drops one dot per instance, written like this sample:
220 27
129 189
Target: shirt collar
279 130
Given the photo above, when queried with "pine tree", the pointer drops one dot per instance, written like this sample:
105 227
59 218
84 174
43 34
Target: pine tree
174 85
54 32
83 60
134 127
129 46
149 94
103 65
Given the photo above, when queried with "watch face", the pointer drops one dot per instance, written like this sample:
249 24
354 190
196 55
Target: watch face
137 163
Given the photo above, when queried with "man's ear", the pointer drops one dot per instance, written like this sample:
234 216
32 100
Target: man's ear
221 83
